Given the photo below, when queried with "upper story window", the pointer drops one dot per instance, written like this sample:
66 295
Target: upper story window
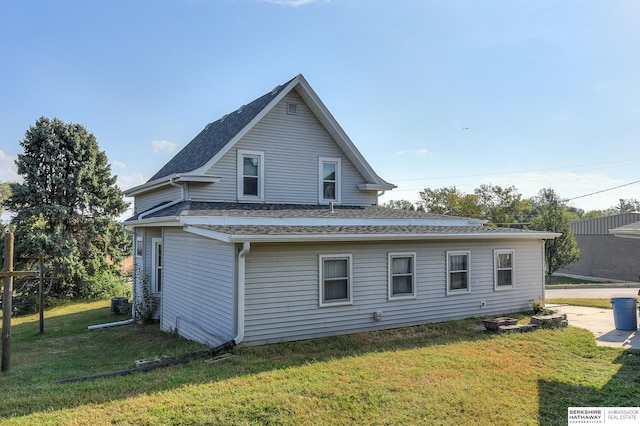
458 272
330 176
503 269
250 175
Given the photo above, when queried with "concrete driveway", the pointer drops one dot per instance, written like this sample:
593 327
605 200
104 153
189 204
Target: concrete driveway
592 293
599 321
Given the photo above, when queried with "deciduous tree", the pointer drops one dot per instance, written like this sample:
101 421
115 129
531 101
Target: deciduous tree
450 201
554 216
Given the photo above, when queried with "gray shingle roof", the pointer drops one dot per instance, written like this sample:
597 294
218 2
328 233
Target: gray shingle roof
273 230
202 208
215 136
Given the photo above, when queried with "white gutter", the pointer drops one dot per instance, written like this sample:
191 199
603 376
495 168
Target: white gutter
164 206
246 248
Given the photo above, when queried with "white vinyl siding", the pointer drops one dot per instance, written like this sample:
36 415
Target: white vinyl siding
198 290
458 272
503 263
292 145
402 273
282 290
152 199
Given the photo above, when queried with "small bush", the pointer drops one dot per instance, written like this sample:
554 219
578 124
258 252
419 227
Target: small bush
146 303
105 285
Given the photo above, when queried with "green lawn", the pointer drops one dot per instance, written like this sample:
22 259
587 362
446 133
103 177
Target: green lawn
592 303
448 373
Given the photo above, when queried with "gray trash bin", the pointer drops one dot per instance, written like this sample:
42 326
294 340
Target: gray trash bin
624 313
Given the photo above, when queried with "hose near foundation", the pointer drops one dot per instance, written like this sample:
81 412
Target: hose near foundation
143 369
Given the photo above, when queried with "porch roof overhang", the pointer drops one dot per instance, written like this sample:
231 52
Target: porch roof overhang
631 230
352 233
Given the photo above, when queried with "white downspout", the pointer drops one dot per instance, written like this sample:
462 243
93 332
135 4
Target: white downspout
172 183
246 248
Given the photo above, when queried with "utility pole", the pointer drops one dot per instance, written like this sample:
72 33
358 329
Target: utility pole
8 273
41 293
6 301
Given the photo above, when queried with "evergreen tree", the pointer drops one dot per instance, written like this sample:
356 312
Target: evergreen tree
67 205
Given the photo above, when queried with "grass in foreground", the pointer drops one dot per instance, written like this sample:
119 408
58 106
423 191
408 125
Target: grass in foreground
446 373
592 303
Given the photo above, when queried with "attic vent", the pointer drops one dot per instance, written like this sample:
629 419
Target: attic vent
275 90
292 109
239 110
224 117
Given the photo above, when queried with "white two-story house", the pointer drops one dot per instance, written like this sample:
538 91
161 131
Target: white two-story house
265 228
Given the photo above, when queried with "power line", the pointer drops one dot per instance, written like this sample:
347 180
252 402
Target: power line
604 190
600 166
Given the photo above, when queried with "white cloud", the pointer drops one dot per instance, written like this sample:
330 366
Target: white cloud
129 181
8 171
160 146
118 165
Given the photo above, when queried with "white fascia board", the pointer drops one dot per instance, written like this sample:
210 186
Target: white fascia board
381 237
198 178
625 233
154 221
304 221
225 238
375 187
248 127
166 181
148 186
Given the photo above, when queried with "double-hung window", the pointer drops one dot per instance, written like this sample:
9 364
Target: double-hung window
458 272
503 269
335 280
139 246
156 265
402 273
329 179
250 175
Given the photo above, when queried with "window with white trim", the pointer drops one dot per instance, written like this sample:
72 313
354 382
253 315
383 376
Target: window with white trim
335 279
139 246
503 269
458 272
156 265
329 179
250 175
402 273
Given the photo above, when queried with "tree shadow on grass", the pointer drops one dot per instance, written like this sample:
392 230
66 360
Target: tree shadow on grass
622 390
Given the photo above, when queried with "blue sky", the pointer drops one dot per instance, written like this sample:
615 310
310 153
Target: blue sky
533 94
